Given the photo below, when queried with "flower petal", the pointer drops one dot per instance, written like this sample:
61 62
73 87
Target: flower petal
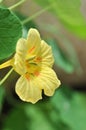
33 41
28 90
19 58
19 65
21 47
46 54
48 81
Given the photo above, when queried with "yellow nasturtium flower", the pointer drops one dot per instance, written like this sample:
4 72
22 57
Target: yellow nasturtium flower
33 60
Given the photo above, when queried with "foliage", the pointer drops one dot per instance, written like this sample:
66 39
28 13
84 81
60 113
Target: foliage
2 95
10 32
68 61
61 59
69 14
65 111
72 107
1 1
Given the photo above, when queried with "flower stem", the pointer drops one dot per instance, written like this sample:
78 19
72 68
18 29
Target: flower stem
36 14
6 76
17 4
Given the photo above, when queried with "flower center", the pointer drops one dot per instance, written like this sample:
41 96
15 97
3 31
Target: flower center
33 65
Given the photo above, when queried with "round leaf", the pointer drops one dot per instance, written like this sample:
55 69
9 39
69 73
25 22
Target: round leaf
10 32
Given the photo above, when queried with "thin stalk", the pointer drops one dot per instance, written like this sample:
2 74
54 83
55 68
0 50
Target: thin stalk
17 4
6 76
36 14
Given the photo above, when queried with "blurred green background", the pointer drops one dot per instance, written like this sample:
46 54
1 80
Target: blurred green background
63 26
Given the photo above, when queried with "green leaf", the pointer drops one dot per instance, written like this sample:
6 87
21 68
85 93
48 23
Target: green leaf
61 59
37 117
10 32
69 15
2 94
33 117
17 120
72 107
26 117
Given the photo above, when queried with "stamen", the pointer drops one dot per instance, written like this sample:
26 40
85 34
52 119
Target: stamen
32 63
30 58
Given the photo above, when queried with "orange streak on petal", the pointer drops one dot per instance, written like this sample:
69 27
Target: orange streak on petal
31 49
38 59
27 76
36 73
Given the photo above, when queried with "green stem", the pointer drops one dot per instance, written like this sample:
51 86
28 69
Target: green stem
6 76
36 14
17 4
